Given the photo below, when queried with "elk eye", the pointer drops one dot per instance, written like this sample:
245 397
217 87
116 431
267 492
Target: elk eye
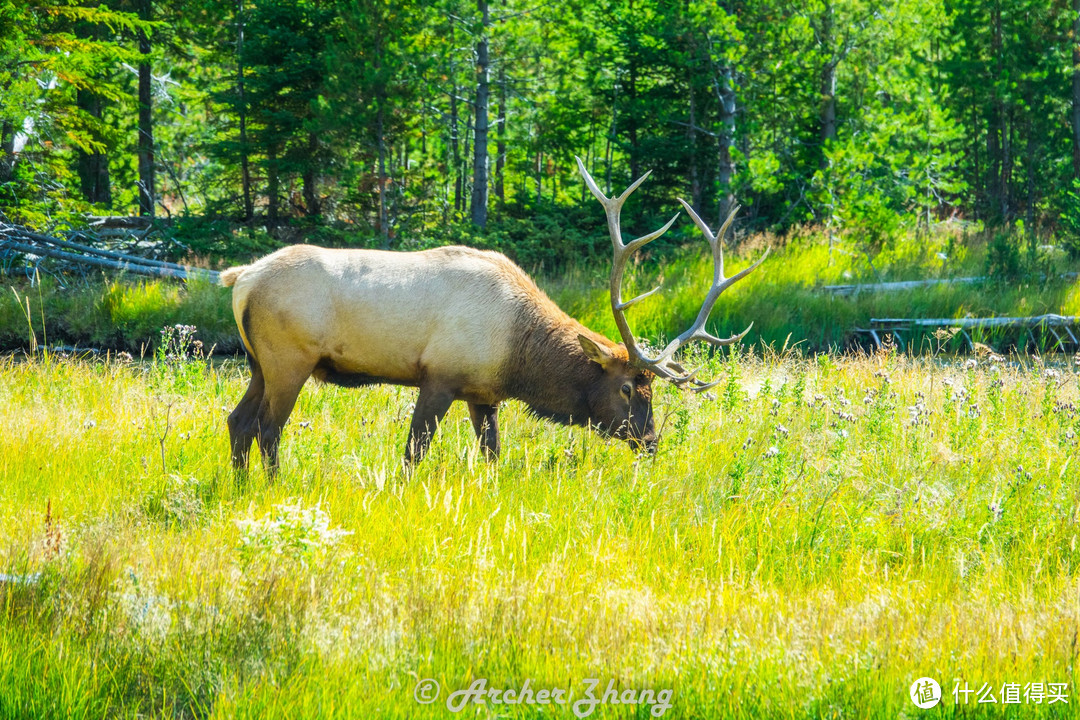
627 388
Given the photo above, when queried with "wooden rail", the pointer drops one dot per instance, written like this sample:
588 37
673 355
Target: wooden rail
1065 329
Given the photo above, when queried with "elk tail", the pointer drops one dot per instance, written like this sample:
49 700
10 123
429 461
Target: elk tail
229 277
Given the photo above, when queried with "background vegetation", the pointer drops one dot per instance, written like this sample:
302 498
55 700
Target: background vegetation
783 298
398 124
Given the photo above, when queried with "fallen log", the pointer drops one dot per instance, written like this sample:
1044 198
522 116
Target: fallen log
107 253
132 266
856 288
30 244
113 221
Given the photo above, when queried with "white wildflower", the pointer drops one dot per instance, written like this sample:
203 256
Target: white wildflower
289 530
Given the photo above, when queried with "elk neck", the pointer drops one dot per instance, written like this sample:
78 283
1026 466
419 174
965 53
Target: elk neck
549 371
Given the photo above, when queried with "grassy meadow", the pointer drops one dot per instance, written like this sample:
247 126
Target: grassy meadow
783 297
816 532
811 538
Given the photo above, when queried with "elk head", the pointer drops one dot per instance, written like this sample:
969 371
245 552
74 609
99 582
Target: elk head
631 376
620 399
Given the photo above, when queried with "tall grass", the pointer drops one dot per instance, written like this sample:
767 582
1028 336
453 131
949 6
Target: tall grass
782 298
115 314
809 540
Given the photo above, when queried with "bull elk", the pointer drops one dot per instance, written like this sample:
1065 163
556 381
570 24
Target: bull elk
457 323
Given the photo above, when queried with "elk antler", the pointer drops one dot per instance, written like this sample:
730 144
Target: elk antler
663 363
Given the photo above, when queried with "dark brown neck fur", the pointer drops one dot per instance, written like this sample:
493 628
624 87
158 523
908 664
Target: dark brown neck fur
550 372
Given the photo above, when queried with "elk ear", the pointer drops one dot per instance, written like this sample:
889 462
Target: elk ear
599 355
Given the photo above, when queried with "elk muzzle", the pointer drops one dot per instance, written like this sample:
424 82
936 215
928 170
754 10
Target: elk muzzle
646 443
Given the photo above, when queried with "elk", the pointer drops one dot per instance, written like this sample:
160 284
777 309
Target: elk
457 323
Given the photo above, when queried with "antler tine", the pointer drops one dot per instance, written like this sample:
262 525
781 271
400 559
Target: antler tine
720 284
621 254
702 386
721 342
688 380
716 242
662 364
701 223
590 182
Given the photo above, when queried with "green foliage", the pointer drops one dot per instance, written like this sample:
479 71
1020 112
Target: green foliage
225 241
1004 260
1070 220
547 240
1013 71
357 115
49 52
358 120
1021 255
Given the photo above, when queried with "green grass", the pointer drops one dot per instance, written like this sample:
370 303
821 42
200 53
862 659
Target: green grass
813 536
782 298
122 315
807 542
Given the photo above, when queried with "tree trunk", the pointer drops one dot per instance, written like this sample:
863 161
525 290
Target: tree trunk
7 151
245 162
272 186
404 164
1031 165
1006 161
539 177
146 126
828 105
93 168
384 231
480 144
632 122
828 85
455 154
500 158
993 164
464 169
609 151
310 180
998 140
691 144
725 163
1076 88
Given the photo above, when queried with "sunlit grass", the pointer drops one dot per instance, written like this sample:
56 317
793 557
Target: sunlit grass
810 539
783 298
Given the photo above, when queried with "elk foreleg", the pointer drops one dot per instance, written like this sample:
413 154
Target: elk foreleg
485 421
431 405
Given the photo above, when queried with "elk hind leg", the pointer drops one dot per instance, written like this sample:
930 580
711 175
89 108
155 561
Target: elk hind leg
282 388
485 421
244 420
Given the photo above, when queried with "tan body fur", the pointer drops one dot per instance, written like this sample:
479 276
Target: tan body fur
458 323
